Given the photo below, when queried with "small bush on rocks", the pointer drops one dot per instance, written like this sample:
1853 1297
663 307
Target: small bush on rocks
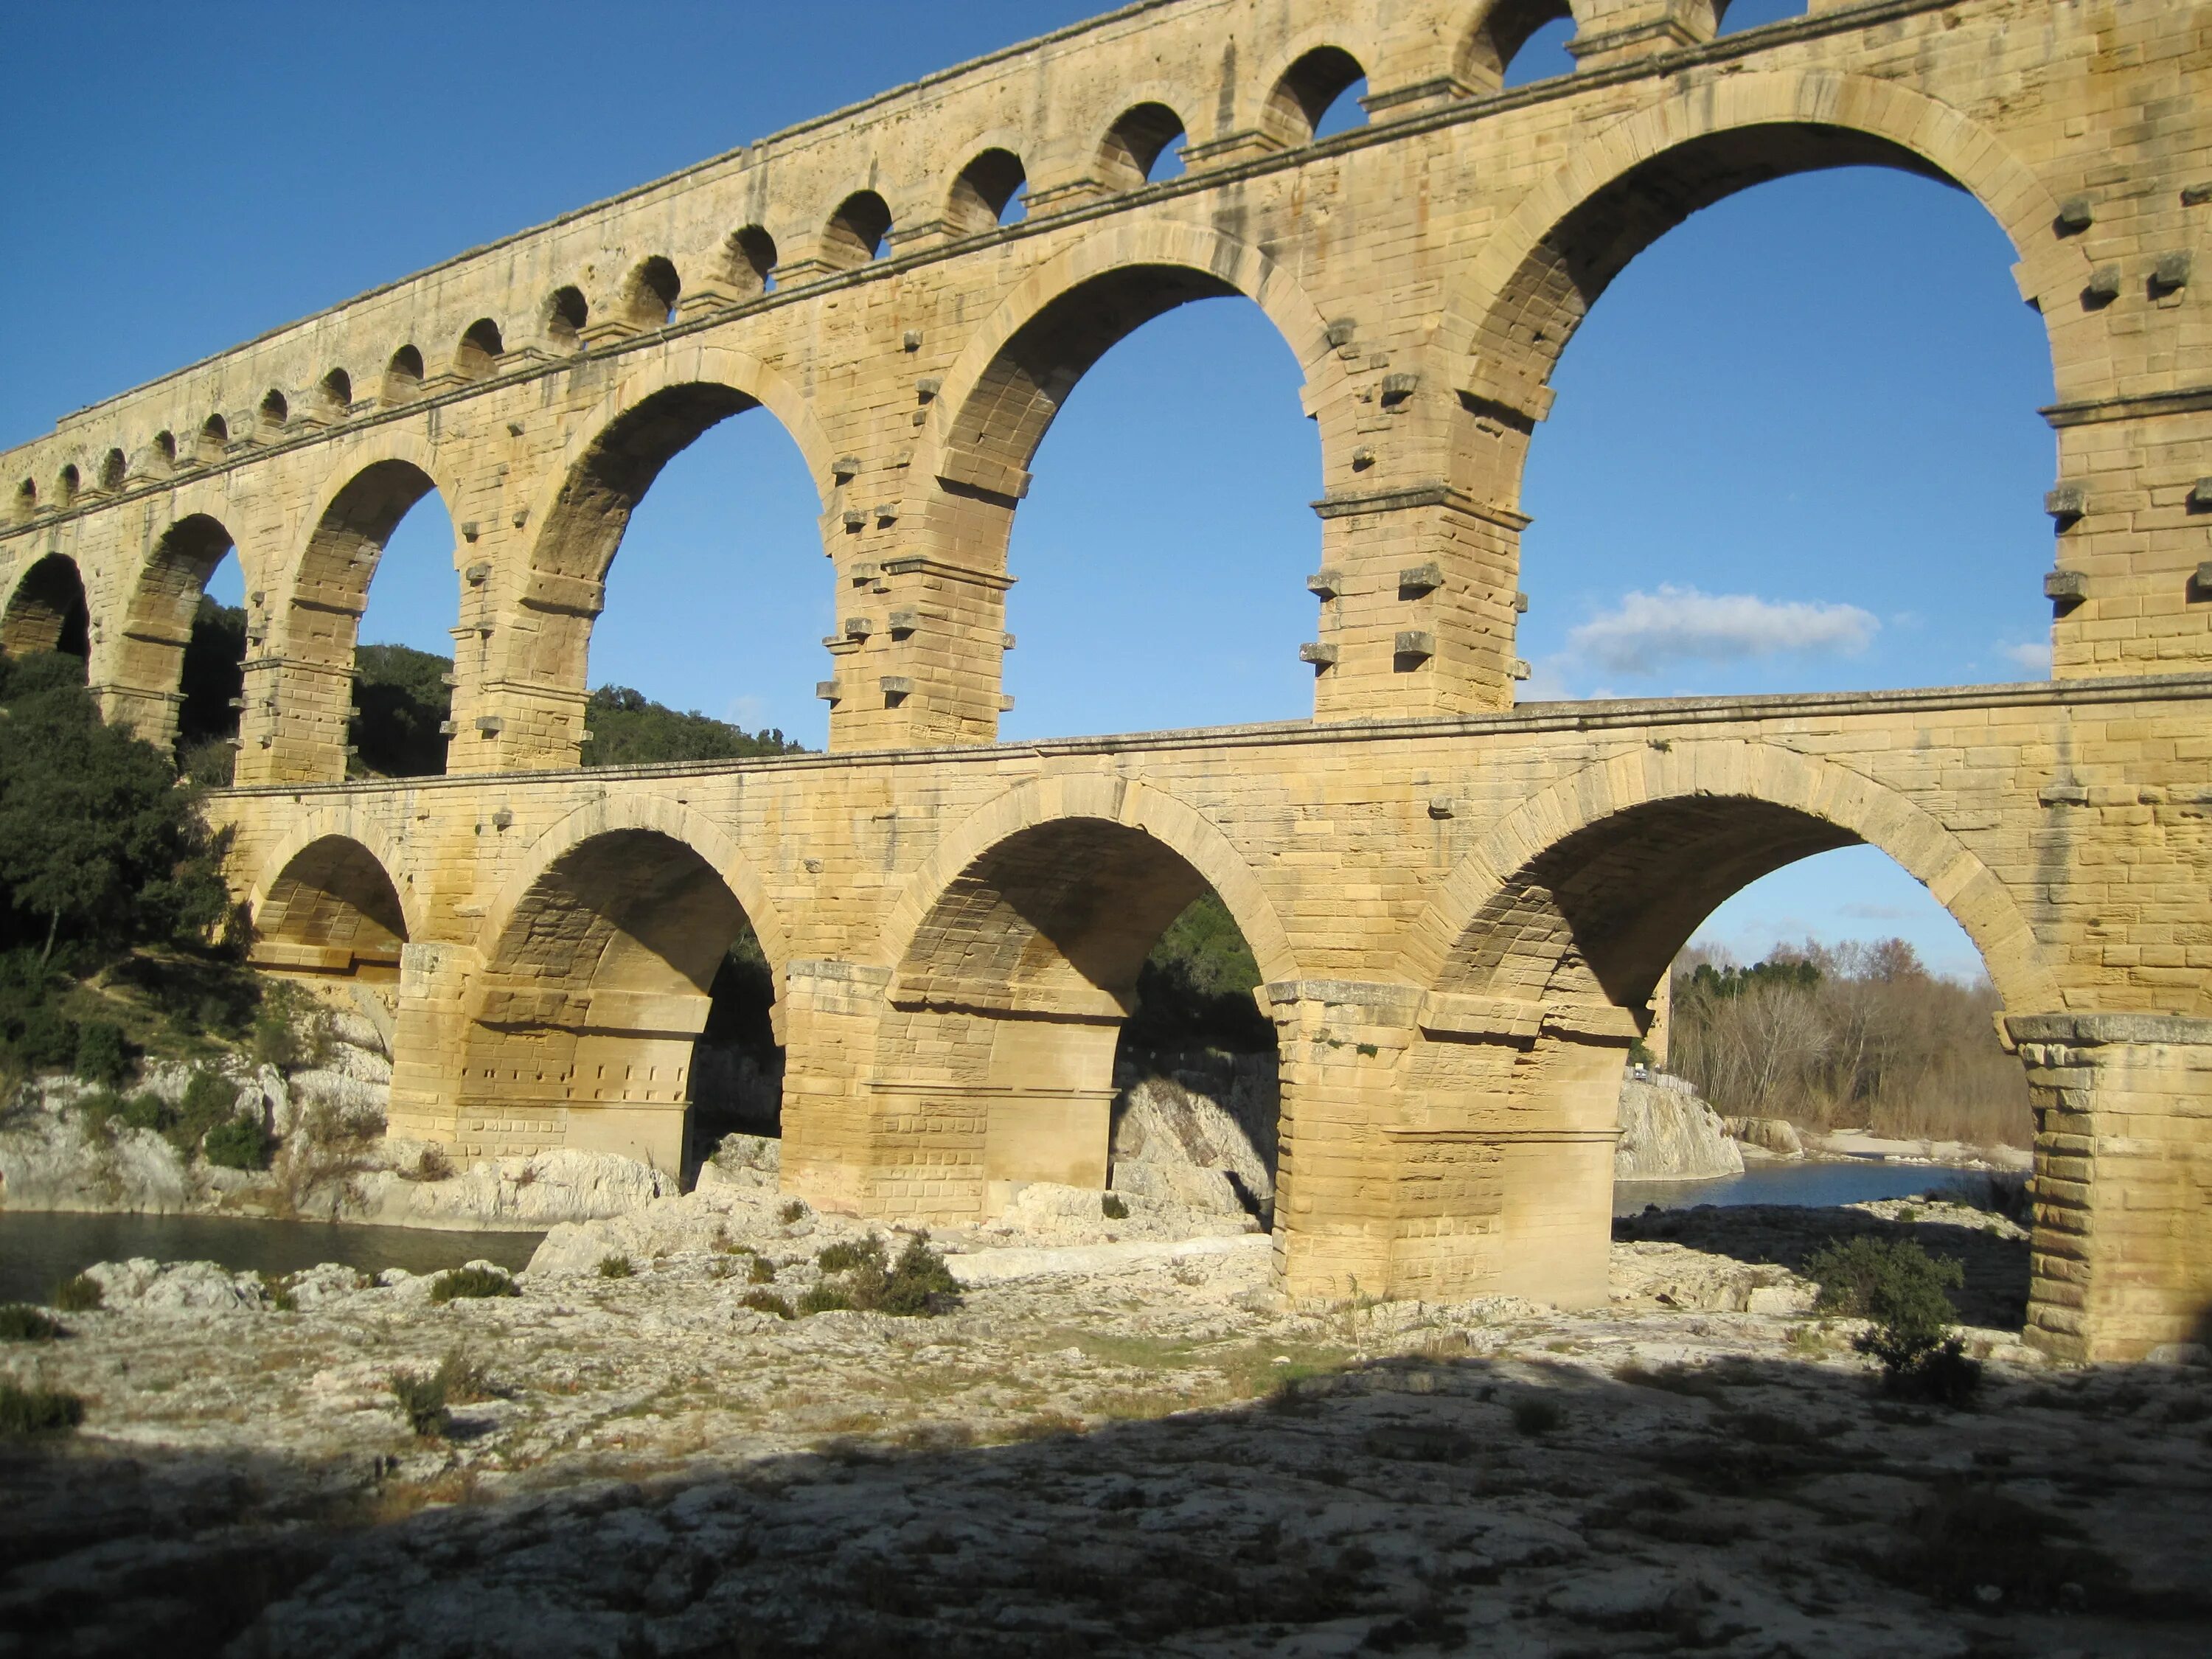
422 1401
240 1144
616 1266
768 1302
21 1322
463 1283
38 1411
916 1285
1536 1417
464 1378
1902 1290
211 1099
81 1294
102 1056
432 1165
795 1211
1112 1208
761 1271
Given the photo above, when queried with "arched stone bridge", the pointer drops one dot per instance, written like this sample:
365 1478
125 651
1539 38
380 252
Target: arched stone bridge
1462 908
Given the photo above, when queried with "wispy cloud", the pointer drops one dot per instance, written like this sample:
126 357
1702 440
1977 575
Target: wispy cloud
1646 632
2034 656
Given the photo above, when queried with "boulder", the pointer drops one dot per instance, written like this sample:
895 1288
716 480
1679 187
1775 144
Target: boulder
1776 1135
1170 1141
177 1287
1668 1133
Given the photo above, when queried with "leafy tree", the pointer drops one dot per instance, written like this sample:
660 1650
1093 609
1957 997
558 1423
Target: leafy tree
1195 990
98 843
404 701
629 729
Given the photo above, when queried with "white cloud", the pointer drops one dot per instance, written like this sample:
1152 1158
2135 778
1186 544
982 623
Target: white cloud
2034 656
1647 631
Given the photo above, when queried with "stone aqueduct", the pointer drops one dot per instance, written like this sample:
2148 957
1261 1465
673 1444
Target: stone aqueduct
1462 908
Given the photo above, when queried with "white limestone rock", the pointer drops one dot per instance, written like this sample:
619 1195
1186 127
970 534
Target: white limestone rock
177 1287
1668 1133
519 1193
1163 1127
49 1161
1774 1135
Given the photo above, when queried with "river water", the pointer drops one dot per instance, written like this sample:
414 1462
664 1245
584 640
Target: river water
39 1249
1821 1182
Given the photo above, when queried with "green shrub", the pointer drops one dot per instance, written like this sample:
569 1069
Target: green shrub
98 1110
48 1039
240 1144
768 1302
917 1284
211 1099
81 1294
616 1266
792 1212
1112 1208
1901 1291
422 1401
38 1411
761 1271
1536 1417
464 1378
102 1056
464 1284
291 1030
147 1110
21 1322
845 1255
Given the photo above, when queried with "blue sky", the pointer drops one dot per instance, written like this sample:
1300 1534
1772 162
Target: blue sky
1795 448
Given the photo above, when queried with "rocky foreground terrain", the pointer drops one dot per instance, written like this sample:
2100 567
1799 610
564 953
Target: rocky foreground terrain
1119 1443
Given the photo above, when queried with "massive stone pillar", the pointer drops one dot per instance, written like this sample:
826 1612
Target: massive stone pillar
2122 1240
430 1041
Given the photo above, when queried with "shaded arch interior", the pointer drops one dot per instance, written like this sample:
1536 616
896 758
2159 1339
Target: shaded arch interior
1309 86
599 986
47 611
1598 916
333 910
167 600
1504 28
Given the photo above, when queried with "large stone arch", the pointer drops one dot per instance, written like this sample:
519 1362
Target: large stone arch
1124 801
660 815
1650 169
583 509
1459 943
339 822
46 610
600 961
326 903
140 667
1177 261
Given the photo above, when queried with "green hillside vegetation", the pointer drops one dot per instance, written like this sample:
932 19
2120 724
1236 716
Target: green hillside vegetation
628 729
404 699
1195 989
109 891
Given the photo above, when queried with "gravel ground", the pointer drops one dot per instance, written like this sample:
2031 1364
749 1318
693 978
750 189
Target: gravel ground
1143 1456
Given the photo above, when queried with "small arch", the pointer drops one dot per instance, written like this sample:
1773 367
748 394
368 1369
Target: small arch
114 468
336 390
859 231
403 375
27 499
1308 90
752 260
275 411
566 314
164 605
47 611
165 446
988 188
654 290
214 438
66 484
1137 143
333 911
1506 26
480 348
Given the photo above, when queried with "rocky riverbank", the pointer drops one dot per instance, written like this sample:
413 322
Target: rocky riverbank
1112 1447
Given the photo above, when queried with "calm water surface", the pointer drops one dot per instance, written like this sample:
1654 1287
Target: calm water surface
1852 1181
39 1248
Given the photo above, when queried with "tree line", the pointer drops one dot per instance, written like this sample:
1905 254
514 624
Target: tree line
1851 1036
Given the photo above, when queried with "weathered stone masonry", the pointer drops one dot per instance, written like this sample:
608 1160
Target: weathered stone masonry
1462 908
